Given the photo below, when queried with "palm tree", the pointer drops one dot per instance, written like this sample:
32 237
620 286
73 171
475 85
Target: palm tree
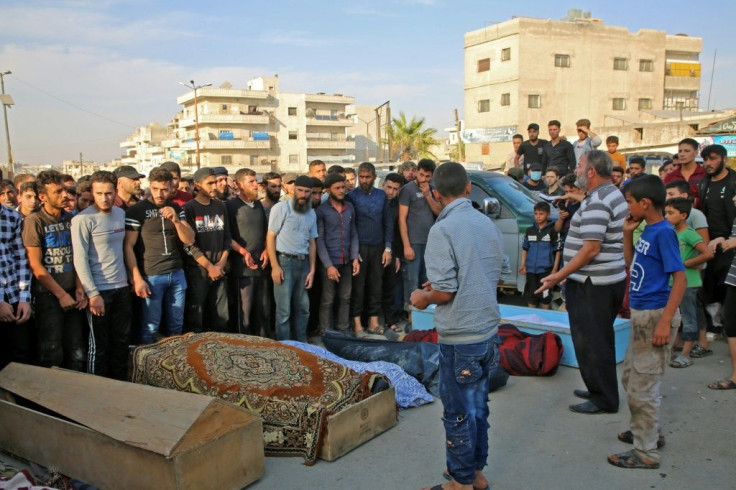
410 137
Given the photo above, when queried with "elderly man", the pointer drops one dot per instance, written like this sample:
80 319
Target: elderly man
595 272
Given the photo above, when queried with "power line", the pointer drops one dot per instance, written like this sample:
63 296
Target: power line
71 103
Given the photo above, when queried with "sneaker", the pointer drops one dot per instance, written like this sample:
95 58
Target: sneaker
700 351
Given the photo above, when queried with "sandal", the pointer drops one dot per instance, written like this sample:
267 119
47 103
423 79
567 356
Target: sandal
628 438
700 351
629 459
724 384
377 330
395 328
361 334
681 362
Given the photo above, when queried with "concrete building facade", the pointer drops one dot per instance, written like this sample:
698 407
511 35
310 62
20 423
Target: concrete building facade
143 149
528 70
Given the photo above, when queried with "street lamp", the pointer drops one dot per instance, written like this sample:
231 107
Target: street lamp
7 101
194 87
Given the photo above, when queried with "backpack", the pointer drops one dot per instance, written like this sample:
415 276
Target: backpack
524 354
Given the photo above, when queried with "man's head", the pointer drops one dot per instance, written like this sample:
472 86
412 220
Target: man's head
288 183
554 128
160 186
302 193
516 173
594 168
272 186
8 194
425 170
612 144
644 193
617 175
186 184
71 202
677 188
687 150
336 187
677 210
103 184
205 182
666 168
517 140
350 178
533 131
568 183
221 183
84 195
541 212
27 198
637 166
318 169
450 182
175 170
129 181
317 187
409 170
535 172
714 160
392 185
551 176
366 176
336 169
51 190
68 181
19 179
247 183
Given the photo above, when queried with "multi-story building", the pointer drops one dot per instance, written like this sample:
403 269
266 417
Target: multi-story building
260 127
143 148
528 70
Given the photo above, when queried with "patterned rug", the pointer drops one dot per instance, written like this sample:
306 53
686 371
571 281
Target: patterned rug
293 391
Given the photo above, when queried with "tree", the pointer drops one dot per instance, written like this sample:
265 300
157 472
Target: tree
410 137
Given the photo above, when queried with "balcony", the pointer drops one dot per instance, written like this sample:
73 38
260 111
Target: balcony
681 83
227 145
328 143
222 93
226 119
329 99
333 121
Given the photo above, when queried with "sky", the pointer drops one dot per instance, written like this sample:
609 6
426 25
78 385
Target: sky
85 74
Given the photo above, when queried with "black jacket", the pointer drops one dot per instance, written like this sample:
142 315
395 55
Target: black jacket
730 192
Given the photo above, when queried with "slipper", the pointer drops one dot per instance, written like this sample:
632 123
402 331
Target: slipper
681 362
377 330
629 459
724 384
628 438
362 334
700 351
396 328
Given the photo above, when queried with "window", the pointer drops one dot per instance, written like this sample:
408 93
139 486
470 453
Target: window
505 99
484 105
505 54
645 104
484 64
293 159
646 65
620 64
226 160
619 104
485 148
562 60
224 107
535 101
292 111
293 135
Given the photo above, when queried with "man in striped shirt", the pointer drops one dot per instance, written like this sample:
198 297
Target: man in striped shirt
596 281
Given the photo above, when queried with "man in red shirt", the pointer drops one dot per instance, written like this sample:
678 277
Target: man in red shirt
688 170
178 196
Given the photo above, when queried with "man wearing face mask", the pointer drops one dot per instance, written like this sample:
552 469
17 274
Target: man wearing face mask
535 182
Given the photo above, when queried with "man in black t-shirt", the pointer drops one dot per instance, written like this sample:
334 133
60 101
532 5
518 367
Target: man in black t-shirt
205 265
532 149
155 230
558 153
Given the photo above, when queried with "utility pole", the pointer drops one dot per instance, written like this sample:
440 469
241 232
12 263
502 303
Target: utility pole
460 152
6 101
194 87
378 129
388 133
81 164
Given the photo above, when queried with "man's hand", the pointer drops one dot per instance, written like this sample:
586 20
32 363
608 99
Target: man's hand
310 279
81 298
24 312
277 274
424 188
67 302
6 312
713 244
549 282
408 252
333 274
141 288
386 258
169 213
264 259
564 215
661 334
356 267
630 224
249 262
97 305
398 264
419 298
214 271
728 244
522 270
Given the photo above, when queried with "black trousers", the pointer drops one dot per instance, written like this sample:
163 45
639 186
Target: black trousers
253 307
336 298
715 275
16 341
592 311
62 335
391 311
366 295
207 305
109 335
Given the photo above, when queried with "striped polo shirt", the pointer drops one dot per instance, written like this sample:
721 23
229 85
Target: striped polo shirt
731 278
600 218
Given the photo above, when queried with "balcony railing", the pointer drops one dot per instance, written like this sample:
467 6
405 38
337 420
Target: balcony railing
228 93
225 119
329 99
228 144
330 143
319 120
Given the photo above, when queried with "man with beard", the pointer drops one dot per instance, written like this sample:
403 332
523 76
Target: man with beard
318 170
222 185
292 251
595 272
272 188
8 194
178 196
408 171
392 287
317 187
688 169
375 232
337 246
129 186
205 268
532 149
155 230
716 200
248 228
58 296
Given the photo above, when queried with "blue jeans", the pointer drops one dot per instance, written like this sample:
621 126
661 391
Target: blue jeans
167 291
689 313
414 273
465 372
292 300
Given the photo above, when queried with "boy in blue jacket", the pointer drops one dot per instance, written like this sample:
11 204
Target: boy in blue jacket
540 256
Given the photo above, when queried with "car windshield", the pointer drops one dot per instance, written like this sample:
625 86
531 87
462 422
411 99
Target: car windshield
514 194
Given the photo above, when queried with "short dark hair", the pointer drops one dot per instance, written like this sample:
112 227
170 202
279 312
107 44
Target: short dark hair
314 163
568 179
6 183
637 161
647 187
47 177
172 167
271 176
554 122
84 186
67 178
618 169
542 206
450 179
241 174
103 177
689 141
350 171
332 179
28 185
160 175
612 139
682 204
717 149
336 169
394 177
554 169
367 167
517 136
428 166
682 186
72 191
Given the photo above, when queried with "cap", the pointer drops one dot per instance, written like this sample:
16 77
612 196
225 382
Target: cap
128 171
289 178
516 173
408 164
303 181
219 171
317 183
202 174
533 126
535 166
333 179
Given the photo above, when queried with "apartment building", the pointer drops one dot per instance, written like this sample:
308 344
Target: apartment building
528 70
143 149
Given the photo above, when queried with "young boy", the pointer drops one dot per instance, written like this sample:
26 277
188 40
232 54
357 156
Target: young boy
540 256
693 252
617 158
653 260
